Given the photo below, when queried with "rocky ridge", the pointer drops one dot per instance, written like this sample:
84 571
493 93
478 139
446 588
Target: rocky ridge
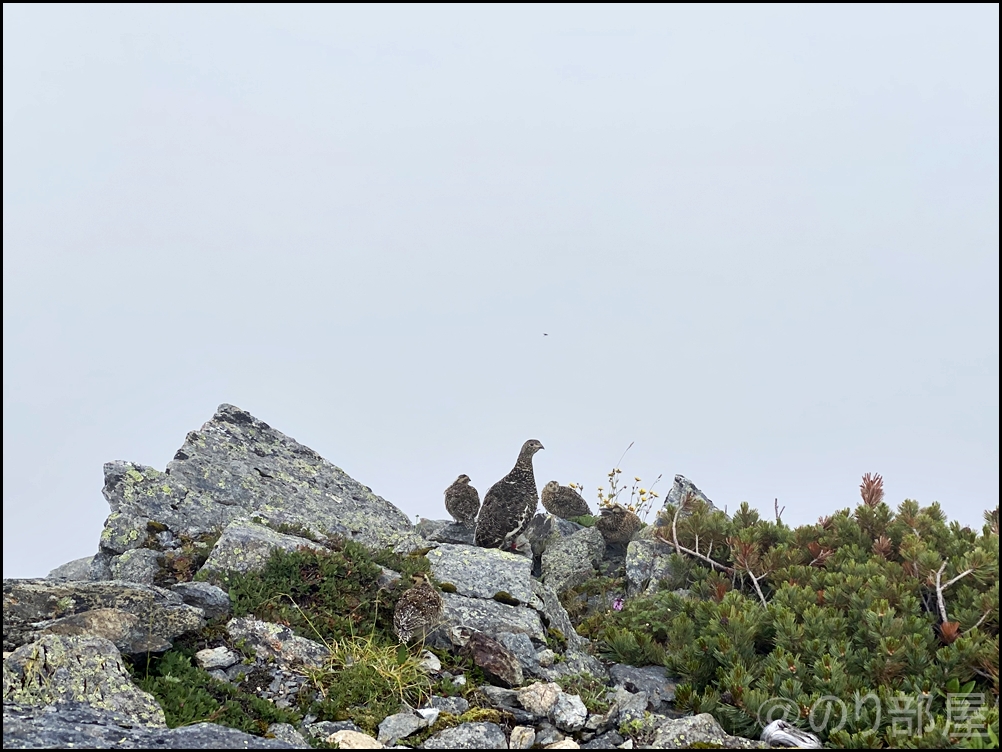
236 491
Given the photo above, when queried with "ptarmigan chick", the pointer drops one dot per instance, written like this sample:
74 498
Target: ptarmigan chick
462 501
563 501
418 611
617 524
510 503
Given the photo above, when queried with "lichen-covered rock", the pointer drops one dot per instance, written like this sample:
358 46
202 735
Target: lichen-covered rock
569 713
484 572
522 648
570 560
540 697
137 565
221 657
490 616
468 736
287 733
556 616
214 601
277 642
653 680
78 569
123 629
522 737
237 466
454 705
245 546
500 665
79 725
451 532
399 726
28 602
60 668
646 561
702 729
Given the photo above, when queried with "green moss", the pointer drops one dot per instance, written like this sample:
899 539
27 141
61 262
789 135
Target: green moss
555 640
503 597
585 520
447 587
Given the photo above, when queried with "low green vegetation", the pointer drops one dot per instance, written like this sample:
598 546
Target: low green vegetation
189 695
591 689
325 595
874 607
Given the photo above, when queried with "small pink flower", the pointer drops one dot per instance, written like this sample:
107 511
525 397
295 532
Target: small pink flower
617 605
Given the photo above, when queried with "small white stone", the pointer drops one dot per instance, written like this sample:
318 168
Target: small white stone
546 657
522 737
459 681
430 662
221 657
346 739
563 744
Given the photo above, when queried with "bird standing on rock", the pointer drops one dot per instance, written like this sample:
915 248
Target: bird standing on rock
510 503
617 524
563 501
418 611
462 501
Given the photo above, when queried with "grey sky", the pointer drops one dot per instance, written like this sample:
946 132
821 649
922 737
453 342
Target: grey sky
762 241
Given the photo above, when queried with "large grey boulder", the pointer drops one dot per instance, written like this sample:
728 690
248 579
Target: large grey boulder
58 668
454 533
490 616
79 725
238 466
124 629
212 600
30 606
646 561
488 573
702 730
468 736
245 546
570 560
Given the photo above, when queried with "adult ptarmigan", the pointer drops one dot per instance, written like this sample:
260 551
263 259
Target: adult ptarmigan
617 524
510 503
462 501
418 611
563 501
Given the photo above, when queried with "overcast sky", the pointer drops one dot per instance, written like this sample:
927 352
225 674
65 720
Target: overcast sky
762 243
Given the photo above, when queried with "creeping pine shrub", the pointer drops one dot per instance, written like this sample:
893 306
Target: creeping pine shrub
874 606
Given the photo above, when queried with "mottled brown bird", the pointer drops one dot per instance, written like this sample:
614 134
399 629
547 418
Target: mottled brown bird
462 501
617 524
563 501
418 611
510 503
